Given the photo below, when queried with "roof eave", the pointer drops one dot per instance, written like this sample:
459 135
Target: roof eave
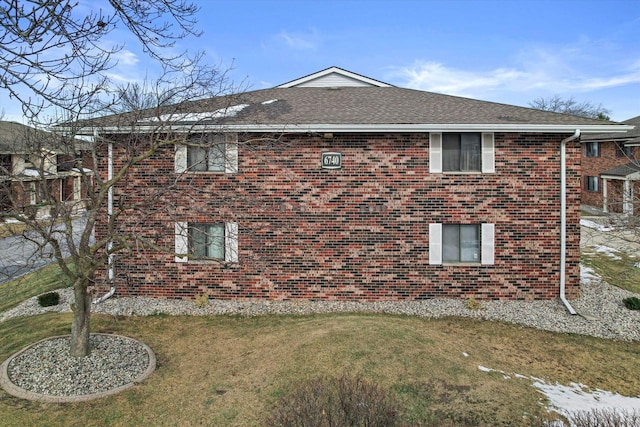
364 128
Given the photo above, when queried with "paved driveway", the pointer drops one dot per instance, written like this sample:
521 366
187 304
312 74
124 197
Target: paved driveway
19 254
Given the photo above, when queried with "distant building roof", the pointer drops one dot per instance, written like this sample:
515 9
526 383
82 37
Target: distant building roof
632 136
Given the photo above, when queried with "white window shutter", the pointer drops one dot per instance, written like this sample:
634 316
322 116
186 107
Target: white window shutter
231 242
488 153
180 162
182 241
487 232
435 244
231 158
435 152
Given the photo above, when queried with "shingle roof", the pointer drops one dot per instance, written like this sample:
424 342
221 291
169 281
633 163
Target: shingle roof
368 105
623 170
630 136
16 138
349 108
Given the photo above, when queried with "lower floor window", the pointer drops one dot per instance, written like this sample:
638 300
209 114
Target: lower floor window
460 243
592 184
207 240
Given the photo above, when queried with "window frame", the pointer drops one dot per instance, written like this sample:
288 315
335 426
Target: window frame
486 245
457 153
592 149
623 150
589 180
487 153
213 141
184 243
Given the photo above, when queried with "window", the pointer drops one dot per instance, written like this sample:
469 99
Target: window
461 152
206 240
591 183
461 243
210 159
217 241
592 149
208 153
623 151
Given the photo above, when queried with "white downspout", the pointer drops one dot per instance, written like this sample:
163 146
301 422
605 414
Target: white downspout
563 217
111 267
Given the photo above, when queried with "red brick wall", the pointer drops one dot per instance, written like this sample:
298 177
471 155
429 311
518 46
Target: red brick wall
359 233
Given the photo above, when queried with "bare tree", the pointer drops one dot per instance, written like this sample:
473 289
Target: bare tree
54 58
558 104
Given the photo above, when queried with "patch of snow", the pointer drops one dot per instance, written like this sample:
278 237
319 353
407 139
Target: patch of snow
591 224
587 274
271 101
465 354
231 111
637 265
576 397
610 252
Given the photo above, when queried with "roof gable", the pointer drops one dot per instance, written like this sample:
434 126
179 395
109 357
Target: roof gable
334 77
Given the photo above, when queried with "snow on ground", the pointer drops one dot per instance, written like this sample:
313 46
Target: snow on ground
610 252
587 274
591 224
575 397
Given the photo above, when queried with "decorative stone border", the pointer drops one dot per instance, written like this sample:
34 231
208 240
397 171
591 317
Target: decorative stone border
16 391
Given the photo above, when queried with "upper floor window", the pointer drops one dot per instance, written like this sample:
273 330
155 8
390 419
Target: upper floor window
211 159
461 152
592 149
208 153
623 150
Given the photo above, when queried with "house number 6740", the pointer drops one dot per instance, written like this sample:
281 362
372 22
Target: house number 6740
331 160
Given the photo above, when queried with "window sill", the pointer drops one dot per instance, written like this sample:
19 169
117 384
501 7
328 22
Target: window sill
463 173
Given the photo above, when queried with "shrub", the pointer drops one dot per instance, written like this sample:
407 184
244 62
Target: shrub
632 303
342 401
202 301
605 418
49 299
473 304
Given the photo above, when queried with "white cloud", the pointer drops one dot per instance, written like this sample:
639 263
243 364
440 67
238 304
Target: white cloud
300 41
126 57
535 71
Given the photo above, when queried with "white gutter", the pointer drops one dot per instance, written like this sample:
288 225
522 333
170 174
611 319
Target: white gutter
370 128
111 266
563 217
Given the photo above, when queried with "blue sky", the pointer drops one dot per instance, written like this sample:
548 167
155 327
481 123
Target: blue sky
503 51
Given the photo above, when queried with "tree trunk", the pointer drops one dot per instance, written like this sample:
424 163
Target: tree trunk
80 327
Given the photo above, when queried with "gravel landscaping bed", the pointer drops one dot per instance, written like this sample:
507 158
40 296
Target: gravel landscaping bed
601 314
600 307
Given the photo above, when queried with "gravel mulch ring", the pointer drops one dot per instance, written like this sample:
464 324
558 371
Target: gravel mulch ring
45 372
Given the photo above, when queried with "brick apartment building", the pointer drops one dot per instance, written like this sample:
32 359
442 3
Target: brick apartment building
337 186
611 170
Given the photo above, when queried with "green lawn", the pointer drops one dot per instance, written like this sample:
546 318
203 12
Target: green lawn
44 280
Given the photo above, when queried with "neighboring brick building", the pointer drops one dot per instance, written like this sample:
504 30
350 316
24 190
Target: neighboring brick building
337 186
34 167
611 170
